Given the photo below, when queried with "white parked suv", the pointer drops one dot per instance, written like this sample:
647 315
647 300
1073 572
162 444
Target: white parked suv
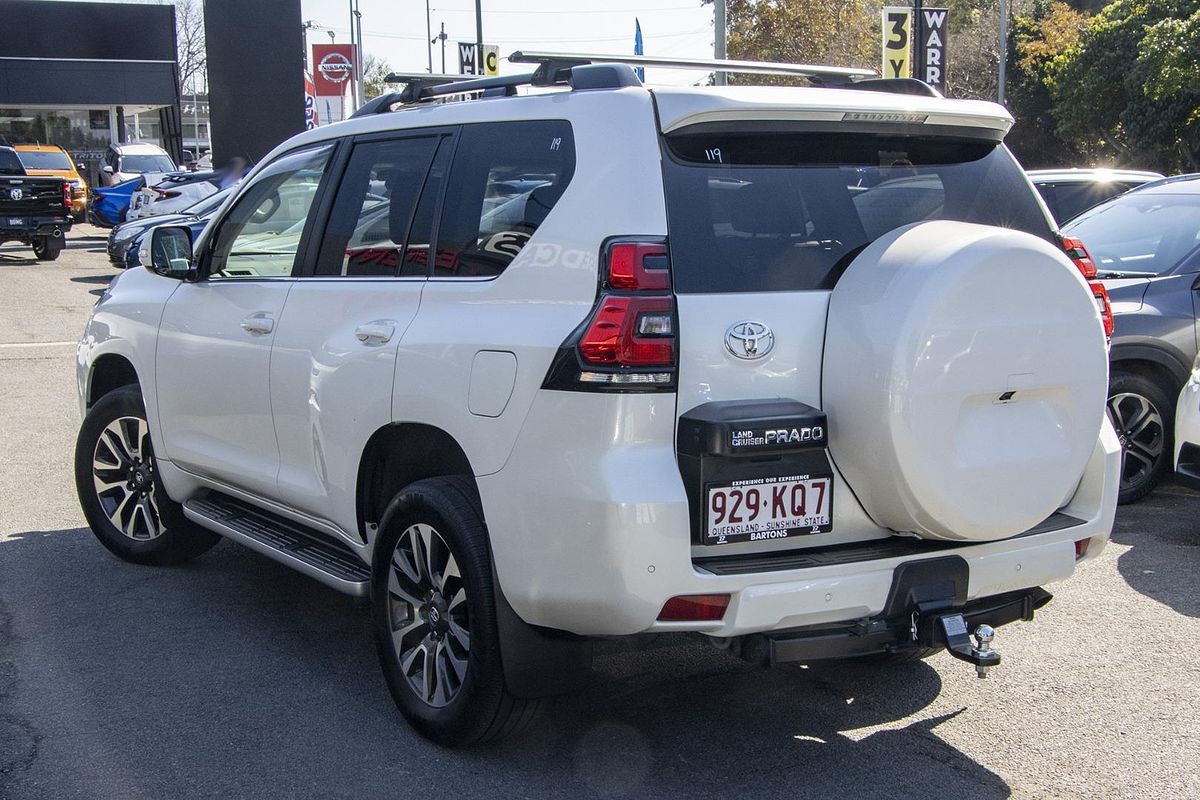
803 370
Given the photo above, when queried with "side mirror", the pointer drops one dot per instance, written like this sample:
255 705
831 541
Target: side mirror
171 252
107 169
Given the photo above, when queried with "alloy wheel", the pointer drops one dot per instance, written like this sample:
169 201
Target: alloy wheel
428 615
123 476
1139 427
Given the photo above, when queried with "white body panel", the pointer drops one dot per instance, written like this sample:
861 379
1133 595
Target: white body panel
330 390
1187 414
212 363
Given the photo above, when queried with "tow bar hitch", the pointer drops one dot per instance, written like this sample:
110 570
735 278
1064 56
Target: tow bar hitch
954 628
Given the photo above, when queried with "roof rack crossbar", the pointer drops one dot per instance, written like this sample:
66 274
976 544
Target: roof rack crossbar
474 84
567 60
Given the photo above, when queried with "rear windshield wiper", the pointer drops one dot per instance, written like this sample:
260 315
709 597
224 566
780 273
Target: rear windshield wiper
1105 274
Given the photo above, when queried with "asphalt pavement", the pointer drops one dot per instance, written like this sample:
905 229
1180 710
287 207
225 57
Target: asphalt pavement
235 677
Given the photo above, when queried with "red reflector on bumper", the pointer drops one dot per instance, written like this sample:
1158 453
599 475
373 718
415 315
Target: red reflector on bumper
1081 547
694 608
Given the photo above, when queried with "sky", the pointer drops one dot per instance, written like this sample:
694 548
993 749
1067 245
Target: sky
395 29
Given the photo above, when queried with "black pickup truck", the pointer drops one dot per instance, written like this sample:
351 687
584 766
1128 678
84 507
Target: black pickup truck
33 210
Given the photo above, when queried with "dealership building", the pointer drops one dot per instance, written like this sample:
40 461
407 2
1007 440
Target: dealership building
83 75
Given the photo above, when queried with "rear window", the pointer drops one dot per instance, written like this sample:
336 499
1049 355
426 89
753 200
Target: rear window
759 212
1067 200
41 159
1140 235
9 163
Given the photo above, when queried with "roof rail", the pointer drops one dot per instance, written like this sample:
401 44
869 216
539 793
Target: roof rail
562 61
579 75
583 71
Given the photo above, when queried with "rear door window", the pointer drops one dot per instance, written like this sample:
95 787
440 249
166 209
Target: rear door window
505 179
769 211
373 211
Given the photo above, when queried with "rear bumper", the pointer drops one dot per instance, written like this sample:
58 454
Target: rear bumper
621 542
35 228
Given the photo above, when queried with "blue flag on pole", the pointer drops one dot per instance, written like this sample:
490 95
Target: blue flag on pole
637 47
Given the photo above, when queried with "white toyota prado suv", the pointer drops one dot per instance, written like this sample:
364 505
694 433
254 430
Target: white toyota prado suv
803 370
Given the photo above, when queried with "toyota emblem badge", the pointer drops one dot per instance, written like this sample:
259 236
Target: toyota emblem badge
749 339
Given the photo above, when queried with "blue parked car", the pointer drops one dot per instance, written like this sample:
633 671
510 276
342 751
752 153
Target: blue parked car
110 203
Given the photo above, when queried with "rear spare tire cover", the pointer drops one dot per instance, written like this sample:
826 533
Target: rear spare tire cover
964 379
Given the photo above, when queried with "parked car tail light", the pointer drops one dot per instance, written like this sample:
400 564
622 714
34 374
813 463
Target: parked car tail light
1081 547
66 194
694 608
1079 255
629 341
1104 306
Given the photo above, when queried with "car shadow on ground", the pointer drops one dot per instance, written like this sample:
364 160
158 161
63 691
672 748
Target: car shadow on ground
1161 531
17 258
238 677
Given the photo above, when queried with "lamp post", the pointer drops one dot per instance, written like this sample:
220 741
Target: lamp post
429 36
478 37
441 37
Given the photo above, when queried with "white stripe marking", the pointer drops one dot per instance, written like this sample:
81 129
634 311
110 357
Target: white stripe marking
36 344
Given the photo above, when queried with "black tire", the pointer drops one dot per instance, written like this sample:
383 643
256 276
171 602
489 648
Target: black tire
909 655
1143 413
450 709
47 248
134 495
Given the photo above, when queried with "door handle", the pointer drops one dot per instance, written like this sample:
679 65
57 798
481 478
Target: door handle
378 332
259 324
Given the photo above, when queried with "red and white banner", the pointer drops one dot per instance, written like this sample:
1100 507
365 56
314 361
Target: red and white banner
333 68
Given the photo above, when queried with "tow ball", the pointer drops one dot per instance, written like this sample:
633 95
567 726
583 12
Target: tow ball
954 628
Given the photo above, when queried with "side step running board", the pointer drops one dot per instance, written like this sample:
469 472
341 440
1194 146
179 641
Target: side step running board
316 555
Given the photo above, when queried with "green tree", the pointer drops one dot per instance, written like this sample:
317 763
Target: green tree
1037 39
1128 90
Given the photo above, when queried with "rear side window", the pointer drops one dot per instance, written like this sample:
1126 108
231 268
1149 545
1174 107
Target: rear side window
505 179
758 212
373 212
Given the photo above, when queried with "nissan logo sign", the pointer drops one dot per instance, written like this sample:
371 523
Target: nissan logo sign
336 68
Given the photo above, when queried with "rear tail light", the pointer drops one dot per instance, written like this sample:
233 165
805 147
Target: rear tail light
629 341
66 194
1079 255
694 608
